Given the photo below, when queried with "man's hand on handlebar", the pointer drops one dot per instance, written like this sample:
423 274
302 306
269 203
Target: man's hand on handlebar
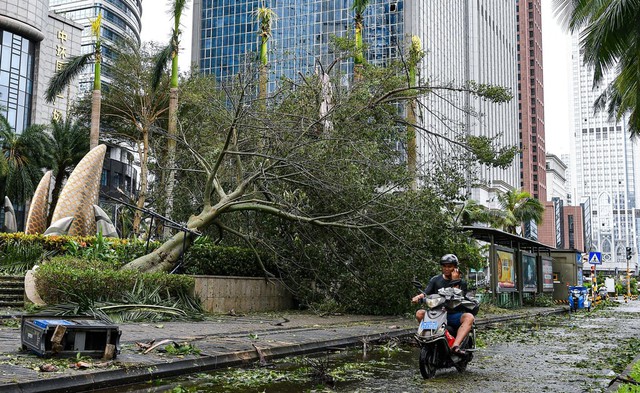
417 298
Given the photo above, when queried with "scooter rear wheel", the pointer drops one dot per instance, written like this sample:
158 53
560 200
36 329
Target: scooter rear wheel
427 362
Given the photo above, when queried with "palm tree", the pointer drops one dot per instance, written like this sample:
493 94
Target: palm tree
266 17
359 7
472 212
518 207
73 68
171 52
415 55
70 143
132 108
24 155
610 40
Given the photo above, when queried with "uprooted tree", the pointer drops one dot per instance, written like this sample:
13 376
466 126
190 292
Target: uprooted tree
280 164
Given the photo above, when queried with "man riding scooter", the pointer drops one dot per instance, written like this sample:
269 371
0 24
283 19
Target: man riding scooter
450 277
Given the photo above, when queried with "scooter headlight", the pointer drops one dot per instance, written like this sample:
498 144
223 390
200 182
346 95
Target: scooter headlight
434 301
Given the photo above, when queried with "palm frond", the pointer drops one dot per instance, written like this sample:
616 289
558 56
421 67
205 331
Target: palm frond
360 6
176 8
160 64
65 75
95 25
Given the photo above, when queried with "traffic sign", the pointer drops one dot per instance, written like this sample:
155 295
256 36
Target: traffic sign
595 258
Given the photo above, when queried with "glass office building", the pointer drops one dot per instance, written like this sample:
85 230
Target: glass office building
226 34
463 40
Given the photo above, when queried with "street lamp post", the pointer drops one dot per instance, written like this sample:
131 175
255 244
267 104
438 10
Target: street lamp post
629 253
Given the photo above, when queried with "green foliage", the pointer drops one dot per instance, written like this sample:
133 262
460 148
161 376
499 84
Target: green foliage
484 149
496 94
118 251
176 349
542 300
17 257
207 259
86 281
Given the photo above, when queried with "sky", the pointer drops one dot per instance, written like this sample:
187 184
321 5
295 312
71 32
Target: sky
157 24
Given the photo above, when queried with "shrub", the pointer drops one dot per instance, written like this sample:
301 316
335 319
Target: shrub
117 250
68 279
208 259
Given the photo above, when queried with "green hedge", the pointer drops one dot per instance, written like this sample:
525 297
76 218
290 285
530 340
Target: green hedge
68 279
209 259
120 250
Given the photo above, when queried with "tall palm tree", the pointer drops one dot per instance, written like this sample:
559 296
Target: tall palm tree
359 7
519 207
70 143
611 43
415 55
24 155
266 17
171 52
73 68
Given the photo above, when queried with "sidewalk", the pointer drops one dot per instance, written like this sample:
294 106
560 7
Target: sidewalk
223 341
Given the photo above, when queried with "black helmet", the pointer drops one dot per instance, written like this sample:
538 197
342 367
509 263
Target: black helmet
449 258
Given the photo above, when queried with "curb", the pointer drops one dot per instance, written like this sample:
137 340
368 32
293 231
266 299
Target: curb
139 374
615 382
147 372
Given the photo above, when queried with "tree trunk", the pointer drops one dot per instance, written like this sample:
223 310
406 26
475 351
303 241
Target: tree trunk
165 257
171 153
144 181
94 135
358 61
412 153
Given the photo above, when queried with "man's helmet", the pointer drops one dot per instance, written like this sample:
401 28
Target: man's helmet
449 258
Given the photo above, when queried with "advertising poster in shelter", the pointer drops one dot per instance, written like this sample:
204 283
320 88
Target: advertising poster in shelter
547 275
506 270
529 273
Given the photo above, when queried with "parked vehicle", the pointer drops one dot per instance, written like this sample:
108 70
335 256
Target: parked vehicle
578 298
436 338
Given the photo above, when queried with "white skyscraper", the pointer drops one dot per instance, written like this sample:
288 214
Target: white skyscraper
604 165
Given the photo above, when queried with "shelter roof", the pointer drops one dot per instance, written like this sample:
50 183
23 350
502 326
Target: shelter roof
506 239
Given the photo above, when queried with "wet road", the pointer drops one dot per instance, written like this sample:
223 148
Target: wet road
579 352
569 353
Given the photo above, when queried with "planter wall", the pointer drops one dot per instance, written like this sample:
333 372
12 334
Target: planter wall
221 294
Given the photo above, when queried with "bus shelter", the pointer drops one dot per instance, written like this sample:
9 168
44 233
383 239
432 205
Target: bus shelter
518 267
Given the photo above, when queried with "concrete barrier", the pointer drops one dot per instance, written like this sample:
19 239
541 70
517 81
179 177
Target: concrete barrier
221 294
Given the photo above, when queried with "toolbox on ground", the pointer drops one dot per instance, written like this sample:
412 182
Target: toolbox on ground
47 335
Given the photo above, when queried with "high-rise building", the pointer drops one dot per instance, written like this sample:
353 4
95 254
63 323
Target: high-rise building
531 99
35 43
121 19
556 180
464 40
605 169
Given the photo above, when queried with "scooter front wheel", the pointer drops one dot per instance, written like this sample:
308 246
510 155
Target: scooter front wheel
427 362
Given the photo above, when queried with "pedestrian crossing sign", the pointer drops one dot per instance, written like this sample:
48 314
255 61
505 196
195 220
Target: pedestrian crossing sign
595 258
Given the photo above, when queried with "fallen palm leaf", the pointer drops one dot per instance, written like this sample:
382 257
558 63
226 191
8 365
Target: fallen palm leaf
151 348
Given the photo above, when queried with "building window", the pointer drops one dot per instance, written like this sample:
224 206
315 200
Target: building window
16 79
104 179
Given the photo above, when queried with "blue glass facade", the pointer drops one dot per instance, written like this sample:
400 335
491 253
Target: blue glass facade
16 79
301 35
